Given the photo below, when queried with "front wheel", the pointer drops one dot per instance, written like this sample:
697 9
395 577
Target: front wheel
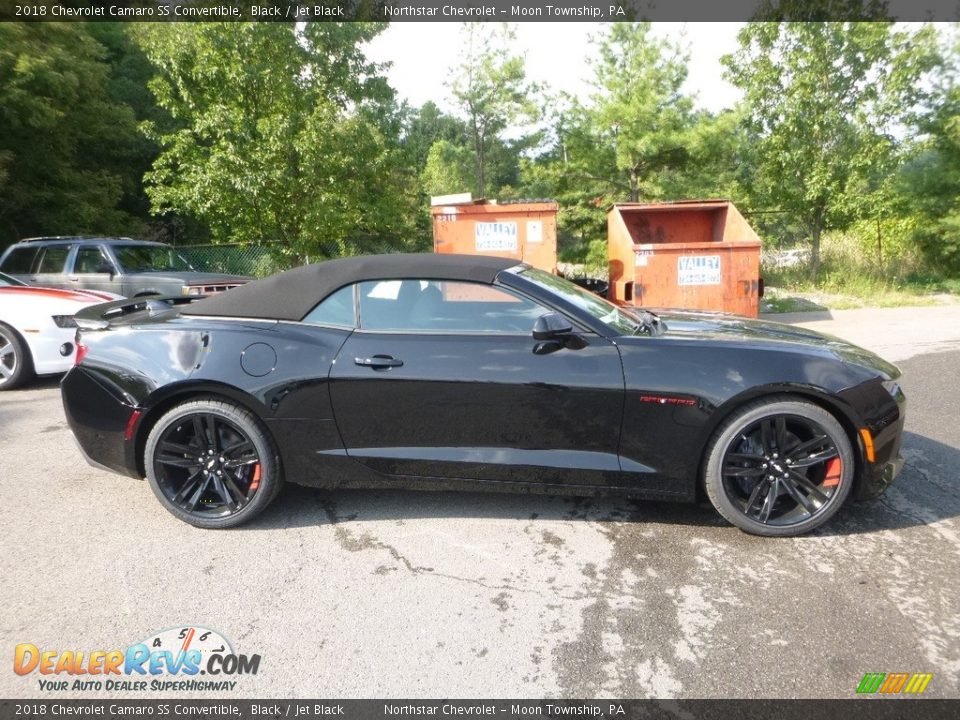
779 467
15 361
212 464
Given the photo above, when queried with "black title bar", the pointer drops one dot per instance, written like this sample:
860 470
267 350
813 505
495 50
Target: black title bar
230 709
473 10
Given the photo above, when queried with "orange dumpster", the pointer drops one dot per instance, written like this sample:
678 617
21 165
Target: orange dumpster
698 254
525 231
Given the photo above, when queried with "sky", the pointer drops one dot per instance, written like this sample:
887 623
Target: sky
557 54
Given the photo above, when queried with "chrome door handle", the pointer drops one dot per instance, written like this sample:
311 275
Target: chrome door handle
378 361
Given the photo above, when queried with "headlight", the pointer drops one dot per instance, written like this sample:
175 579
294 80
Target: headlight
192 289
64 321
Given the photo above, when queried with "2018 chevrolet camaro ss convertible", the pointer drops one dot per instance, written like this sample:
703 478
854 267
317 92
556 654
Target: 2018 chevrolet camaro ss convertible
446 371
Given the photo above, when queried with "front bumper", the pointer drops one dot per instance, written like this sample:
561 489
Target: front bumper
45 350
887 432
879 477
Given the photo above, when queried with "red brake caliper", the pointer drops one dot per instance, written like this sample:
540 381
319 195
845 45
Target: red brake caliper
255 483
834 472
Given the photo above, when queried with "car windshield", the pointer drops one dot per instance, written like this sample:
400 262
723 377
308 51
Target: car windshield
6 280
149 258
603 310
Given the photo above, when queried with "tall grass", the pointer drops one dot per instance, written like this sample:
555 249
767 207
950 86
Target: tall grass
852 265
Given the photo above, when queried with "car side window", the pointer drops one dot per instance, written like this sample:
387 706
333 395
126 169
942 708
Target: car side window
444 306
336 309
89 260
53 259
19 261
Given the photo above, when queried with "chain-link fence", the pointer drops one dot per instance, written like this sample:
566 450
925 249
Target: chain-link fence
233 259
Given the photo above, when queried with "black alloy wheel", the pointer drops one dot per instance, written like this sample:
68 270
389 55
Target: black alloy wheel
212 464
779 467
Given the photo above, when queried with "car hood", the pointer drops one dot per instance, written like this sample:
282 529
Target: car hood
733 328
34 293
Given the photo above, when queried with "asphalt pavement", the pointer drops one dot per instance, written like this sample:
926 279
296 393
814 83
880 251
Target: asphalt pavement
392 594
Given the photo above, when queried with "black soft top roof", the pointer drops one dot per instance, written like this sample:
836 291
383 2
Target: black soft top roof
292 294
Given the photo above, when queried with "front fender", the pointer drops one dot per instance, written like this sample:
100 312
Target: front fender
678 392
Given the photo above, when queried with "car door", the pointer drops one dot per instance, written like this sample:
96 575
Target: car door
51 266
20 263
92 270
444 379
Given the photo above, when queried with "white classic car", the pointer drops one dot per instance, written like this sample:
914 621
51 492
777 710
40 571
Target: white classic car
37 329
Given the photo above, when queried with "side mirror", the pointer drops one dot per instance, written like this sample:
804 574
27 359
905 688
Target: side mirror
551 325
105 267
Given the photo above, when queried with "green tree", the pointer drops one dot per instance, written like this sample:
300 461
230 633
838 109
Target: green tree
128 73
930 183
638 109
65 143
281 136
448 169
429 138
825 101
424 126
580 174
635 138
491 88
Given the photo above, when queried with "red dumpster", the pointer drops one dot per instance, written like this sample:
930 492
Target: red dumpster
525 231
698 254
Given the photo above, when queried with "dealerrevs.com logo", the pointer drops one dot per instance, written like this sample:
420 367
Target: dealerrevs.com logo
187 658
894 683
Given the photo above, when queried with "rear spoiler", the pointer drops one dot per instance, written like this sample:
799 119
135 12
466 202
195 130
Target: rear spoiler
101 317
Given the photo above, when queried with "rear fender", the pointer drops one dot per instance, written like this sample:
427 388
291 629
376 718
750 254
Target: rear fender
157 404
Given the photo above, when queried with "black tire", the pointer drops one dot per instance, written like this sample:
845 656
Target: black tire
209 489
16 364
779 467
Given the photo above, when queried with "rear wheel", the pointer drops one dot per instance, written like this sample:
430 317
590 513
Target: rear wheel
16 365
779 467
212 464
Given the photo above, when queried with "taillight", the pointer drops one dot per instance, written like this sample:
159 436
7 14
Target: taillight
81 352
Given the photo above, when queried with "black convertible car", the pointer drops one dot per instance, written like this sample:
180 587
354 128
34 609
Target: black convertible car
446 371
